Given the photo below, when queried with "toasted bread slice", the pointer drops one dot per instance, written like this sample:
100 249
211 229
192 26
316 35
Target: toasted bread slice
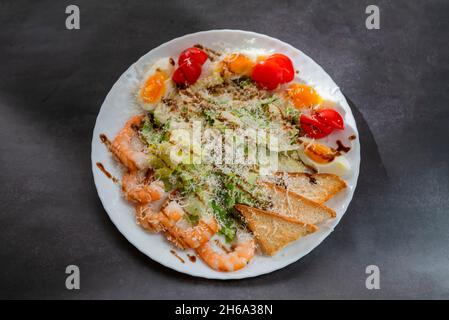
289 204
318 187
271 231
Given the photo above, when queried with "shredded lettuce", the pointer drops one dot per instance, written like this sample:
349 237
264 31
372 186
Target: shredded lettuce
210 116
228 227
204 187
292 114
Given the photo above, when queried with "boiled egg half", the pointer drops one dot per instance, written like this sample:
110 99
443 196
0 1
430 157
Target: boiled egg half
241 63
156 83
323 158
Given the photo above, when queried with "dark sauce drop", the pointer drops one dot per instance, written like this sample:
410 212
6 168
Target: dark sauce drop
353 137
173 252
191 258
342 147
310 168
106 172
105 141
312 179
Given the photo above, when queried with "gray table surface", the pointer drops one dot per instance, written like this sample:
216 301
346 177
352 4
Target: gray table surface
52 84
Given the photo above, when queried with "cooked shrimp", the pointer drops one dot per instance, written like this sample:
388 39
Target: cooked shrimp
148 218
180 231
228 260
128 148
173 211
136 189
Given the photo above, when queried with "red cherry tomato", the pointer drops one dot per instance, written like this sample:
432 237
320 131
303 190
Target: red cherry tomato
313 128
187 73
330 118
284 62
267 74
193 54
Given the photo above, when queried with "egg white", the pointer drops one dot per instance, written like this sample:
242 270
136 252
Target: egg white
339 166
168 68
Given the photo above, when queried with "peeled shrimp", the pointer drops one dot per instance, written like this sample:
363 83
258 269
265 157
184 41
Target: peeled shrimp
228 260
181 233
128 148
136 189
148 218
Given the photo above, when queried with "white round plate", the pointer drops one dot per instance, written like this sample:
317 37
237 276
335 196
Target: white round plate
118 107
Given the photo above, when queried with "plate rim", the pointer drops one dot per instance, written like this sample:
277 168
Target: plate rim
223 275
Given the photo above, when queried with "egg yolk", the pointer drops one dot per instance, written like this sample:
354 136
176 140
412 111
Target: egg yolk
303 96
319 153
154 87
239 64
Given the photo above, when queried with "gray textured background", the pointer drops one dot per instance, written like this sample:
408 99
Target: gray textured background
53 81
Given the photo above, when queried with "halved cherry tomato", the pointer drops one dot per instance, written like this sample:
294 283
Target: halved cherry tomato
331 118
313 128
187 73
267 74
284 62
193 54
